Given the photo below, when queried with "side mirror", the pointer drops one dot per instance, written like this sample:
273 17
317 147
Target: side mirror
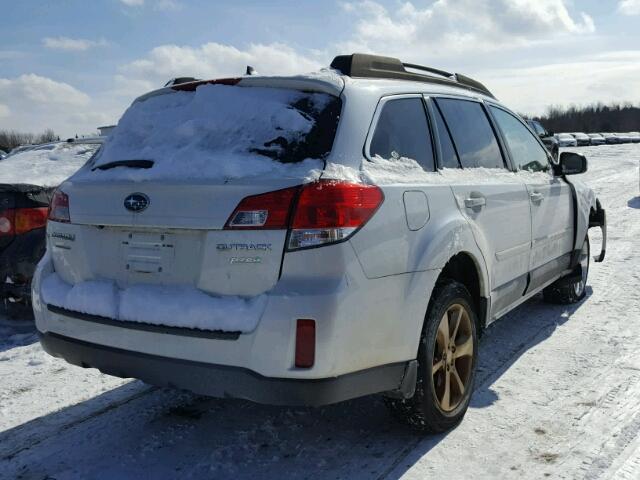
570 163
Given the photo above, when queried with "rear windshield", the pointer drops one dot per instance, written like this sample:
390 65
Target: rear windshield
221 131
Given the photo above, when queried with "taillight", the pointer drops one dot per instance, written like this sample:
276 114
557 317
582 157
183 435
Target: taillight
267 211
318 213
16 221
59 208
330 211
28 219
7 218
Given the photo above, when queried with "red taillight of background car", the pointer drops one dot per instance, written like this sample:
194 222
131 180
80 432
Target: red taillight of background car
59 207
16 221
331 211
267 211
28 219
318 213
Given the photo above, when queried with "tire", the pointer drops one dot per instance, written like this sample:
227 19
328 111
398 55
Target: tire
565 292
427 410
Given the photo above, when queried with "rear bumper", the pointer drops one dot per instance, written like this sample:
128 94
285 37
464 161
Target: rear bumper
224 381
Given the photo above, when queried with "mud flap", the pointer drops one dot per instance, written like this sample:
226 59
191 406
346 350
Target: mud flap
599 219
408 386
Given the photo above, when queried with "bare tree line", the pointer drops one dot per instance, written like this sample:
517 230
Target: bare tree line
10 138
592 118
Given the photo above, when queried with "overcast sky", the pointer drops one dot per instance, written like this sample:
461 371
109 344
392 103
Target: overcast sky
74 65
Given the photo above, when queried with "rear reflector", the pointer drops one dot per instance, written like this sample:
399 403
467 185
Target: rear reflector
305 343
7 218
267 211
59 208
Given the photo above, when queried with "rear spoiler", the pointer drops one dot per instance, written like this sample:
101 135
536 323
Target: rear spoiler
322 82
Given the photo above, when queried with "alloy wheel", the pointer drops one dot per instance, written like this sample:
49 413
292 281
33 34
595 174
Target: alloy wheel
453 357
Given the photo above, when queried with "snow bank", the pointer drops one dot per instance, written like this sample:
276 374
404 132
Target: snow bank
213 132
46 165
174 306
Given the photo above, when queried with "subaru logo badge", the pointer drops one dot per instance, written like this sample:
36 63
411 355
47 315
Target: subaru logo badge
136 202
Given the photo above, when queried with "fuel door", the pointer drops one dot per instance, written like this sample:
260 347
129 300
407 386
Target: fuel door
416 209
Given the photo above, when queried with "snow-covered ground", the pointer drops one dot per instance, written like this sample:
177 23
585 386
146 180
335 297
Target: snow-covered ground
557 396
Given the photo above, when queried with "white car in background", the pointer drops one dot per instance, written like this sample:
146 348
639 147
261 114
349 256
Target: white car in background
311 239
611 138
582 139
635 137
566 140
596 139
624 137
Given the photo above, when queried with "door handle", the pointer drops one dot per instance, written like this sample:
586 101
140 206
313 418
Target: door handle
475 202
536 197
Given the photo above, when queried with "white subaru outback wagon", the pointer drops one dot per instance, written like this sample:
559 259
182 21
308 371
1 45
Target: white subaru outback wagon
309 239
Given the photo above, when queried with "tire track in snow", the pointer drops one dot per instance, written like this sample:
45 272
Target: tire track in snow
73 423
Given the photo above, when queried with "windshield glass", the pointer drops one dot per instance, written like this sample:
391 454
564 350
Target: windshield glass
221 131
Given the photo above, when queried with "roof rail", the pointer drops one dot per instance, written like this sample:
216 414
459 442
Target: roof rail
376 66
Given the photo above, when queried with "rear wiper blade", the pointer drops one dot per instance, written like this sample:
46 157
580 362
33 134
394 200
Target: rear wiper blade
125 163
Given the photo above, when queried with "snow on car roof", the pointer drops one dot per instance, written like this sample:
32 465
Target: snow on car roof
46 165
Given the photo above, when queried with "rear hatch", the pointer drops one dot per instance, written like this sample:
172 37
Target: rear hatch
194 188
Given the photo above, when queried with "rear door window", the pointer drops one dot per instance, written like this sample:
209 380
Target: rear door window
526 152
472 133
449 157
402 131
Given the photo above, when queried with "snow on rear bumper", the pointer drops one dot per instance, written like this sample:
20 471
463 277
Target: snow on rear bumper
170 306
360 323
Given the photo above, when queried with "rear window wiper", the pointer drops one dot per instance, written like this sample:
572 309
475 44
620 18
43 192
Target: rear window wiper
125 163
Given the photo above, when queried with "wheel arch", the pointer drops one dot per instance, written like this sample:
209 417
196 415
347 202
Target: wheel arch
466 268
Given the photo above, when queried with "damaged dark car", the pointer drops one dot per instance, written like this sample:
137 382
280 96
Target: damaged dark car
28 180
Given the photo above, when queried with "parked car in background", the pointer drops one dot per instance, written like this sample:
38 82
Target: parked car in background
566 140
21 148
596 139
611 138
546 136
28 178
582 139
635 137
326 237
623 137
